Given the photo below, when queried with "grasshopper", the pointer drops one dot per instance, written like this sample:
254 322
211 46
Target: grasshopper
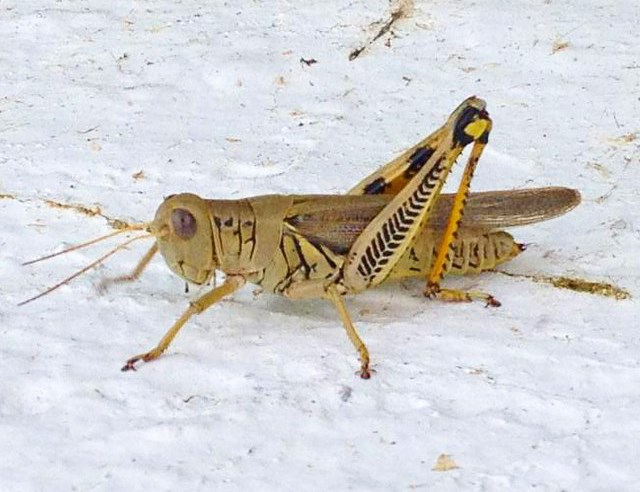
395 223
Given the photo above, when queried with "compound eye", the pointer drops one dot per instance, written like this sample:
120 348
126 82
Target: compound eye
183 223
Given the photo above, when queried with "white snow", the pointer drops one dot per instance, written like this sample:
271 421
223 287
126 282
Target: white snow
260 393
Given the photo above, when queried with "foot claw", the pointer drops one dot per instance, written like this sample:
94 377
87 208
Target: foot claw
151 355
130 365
493 302
365 373
431 292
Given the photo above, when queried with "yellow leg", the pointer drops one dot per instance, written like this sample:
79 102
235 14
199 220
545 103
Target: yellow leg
438 269
457 209
338 302
230 285
137 271
452 295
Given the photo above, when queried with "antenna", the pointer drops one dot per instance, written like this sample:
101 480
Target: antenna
90 265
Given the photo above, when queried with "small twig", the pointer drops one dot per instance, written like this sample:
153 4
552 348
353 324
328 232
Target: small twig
89 130
397 14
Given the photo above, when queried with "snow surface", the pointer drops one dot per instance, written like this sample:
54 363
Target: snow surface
259 393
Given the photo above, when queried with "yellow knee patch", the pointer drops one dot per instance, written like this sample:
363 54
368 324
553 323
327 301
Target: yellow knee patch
477 128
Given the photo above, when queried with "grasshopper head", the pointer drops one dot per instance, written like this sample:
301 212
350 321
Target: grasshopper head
182 228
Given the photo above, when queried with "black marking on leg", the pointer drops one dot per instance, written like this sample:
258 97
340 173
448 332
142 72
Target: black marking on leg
417 160
400 224
394 231
365 263
376 187
374 246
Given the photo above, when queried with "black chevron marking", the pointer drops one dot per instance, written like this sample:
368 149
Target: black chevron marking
374 246
396 221
400 225
385 234
401 216
367 260
379 241
394 231
392 227
412 215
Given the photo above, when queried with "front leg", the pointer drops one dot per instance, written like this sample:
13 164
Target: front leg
135 274
338 301
230 285
313 289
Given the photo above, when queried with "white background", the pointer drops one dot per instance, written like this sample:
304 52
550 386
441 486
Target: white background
260 393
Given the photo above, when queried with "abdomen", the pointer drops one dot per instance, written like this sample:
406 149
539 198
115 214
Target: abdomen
473 252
